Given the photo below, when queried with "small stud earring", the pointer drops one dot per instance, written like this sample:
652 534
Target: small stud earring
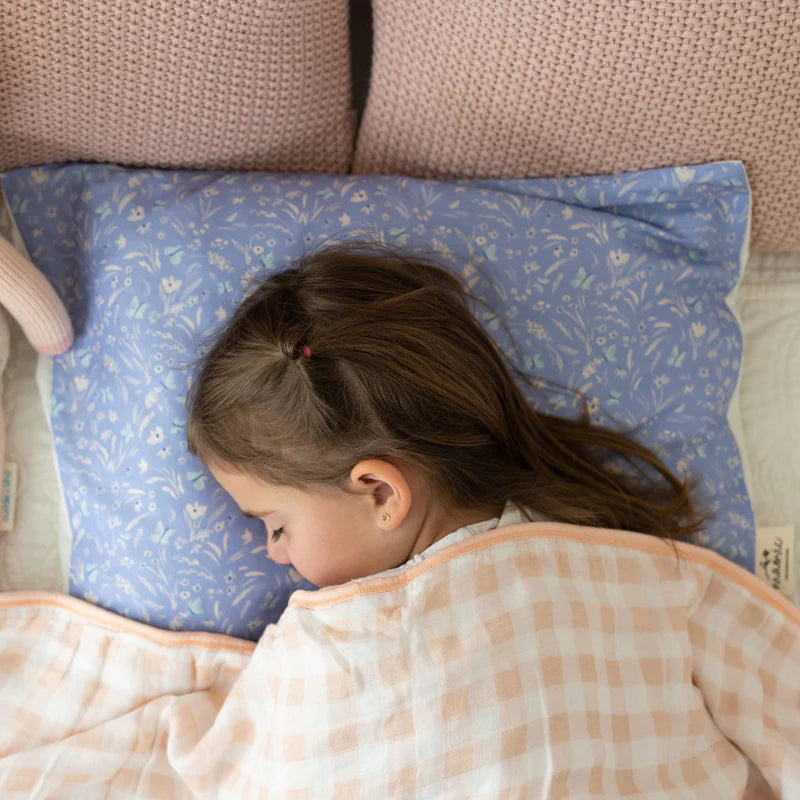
385 517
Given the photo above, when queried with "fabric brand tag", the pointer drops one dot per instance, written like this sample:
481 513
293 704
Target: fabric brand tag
775 555
9 497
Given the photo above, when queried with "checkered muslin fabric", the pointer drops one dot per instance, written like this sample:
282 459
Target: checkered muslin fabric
534 660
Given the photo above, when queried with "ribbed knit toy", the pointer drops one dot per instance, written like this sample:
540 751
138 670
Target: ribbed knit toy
30 298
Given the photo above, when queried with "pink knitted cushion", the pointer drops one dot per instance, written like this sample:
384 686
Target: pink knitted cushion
206 84
551 88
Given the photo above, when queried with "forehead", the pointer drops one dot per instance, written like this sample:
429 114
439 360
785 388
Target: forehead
248 491
253 494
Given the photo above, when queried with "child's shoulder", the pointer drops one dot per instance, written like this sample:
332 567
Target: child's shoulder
502 562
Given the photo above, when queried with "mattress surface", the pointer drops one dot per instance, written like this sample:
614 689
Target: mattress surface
768 305
35 553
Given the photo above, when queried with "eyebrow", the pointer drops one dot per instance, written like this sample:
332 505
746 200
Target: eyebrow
257 513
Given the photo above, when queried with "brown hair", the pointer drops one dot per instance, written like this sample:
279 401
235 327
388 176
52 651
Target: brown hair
402 370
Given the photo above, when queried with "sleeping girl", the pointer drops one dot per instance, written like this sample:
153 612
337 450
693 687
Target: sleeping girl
356 405
508 612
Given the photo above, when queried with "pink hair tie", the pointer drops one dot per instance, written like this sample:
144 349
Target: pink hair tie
306 351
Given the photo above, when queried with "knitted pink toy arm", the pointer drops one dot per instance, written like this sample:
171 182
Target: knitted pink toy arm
28 295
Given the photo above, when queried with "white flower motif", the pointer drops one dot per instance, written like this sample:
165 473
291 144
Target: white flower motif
81 383
195 510
170 285
698 329
684 173
221 313
619 257
110 364
344 219
156 435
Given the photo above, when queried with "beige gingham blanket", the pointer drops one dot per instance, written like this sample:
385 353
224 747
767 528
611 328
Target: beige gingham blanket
538 660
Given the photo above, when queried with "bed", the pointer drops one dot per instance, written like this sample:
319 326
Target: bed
370 107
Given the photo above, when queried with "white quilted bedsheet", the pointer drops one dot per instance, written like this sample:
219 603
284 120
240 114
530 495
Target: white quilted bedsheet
765 418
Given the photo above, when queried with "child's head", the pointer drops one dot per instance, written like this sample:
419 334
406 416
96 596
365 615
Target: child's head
383 516
359 383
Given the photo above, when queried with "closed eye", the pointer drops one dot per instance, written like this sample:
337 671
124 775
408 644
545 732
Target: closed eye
276 534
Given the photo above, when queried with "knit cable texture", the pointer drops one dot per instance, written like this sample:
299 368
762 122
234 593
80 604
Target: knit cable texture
554 88
206 84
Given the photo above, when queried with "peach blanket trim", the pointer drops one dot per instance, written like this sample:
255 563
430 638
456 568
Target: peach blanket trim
538 659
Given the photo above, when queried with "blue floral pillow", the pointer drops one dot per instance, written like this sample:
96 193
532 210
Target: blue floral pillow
613 285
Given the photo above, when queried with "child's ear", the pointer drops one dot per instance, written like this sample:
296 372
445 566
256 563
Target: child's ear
388 488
